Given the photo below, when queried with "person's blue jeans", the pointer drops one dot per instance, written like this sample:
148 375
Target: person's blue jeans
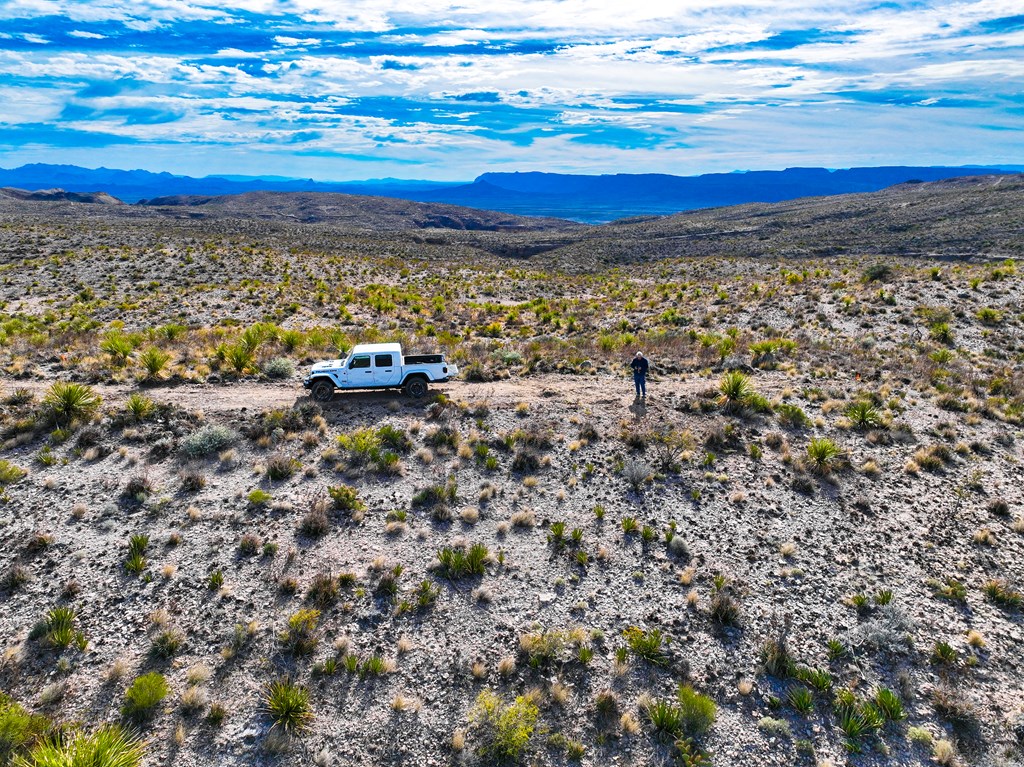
640 381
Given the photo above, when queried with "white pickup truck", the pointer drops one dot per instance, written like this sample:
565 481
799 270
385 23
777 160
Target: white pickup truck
378 366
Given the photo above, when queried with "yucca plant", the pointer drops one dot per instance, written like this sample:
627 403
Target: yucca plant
889 705
863 415
666 718
139 407
68 402
60 626
239 357
153 360
801 699
109 746
287 704
119 347
736 391
823 454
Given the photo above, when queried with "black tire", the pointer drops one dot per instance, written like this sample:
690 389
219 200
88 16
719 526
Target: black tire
416 388
322 390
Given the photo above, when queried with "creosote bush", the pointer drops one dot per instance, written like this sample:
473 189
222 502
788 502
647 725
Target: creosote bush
503 729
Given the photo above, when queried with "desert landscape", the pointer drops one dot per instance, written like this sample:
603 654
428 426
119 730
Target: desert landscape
806 546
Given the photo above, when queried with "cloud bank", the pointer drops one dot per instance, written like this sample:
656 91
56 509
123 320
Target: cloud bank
446 90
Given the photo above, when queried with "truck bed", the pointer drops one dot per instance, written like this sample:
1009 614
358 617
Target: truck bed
423 359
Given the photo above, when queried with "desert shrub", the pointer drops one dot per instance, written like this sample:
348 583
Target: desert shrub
9 473
736 390
504 729
725 606
890 629
287 704
345 498
109 746
19 729
323 590
60 626
1001 593
240 357
636 473
666 718
437 495
300 638
278 368
877 273
281 466
144 695
526 461
889 705
208 439
315 523
67 403
167 643
958 710
792 416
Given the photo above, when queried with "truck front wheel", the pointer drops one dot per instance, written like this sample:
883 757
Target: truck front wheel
322 391
416 388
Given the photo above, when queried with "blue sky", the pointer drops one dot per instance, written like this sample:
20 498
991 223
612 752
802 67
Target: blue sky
352 89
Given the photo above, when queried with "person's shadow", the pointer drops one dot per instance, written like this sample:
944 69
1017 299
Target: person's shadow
638 409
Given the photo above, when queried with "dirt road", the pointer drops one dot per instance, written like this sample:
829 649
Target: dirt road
583 391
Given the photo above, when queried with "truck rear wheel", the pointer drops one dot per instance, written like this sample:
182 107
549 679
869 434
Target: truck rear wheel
322 391
416 388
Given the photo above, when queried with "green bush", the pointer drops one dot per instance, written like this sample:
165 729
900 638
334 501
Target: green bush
9 473
697 712
208 439
109 746
19 729
504 729
144 695
458 562
646 644
346 498
287 704
300 637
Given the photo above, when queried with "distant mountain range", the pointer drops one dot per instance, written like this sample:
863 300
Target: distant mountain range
590 199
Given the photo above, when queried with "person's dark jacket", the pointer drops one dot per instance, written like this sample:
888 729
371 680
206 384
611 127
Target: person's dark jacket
640 365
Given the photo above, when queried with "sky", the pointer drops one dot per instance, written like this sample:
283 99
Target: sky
356 89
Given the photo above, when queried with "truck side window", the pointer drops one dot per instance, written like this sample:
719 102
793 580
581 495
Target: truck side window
359 362
383 361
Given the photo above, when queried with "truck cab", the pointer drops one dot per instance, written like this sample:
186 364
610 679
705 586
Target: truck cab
378 366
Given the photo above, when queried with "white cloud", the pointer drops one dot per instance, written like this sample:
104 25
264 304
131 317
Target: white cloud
84 35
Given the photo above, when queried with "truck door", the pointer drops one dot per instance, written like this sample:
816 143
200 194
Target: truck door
386 370
360 373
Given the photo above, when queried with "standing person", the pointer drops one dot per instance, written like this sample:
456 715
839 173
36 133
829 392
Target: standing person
640 366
